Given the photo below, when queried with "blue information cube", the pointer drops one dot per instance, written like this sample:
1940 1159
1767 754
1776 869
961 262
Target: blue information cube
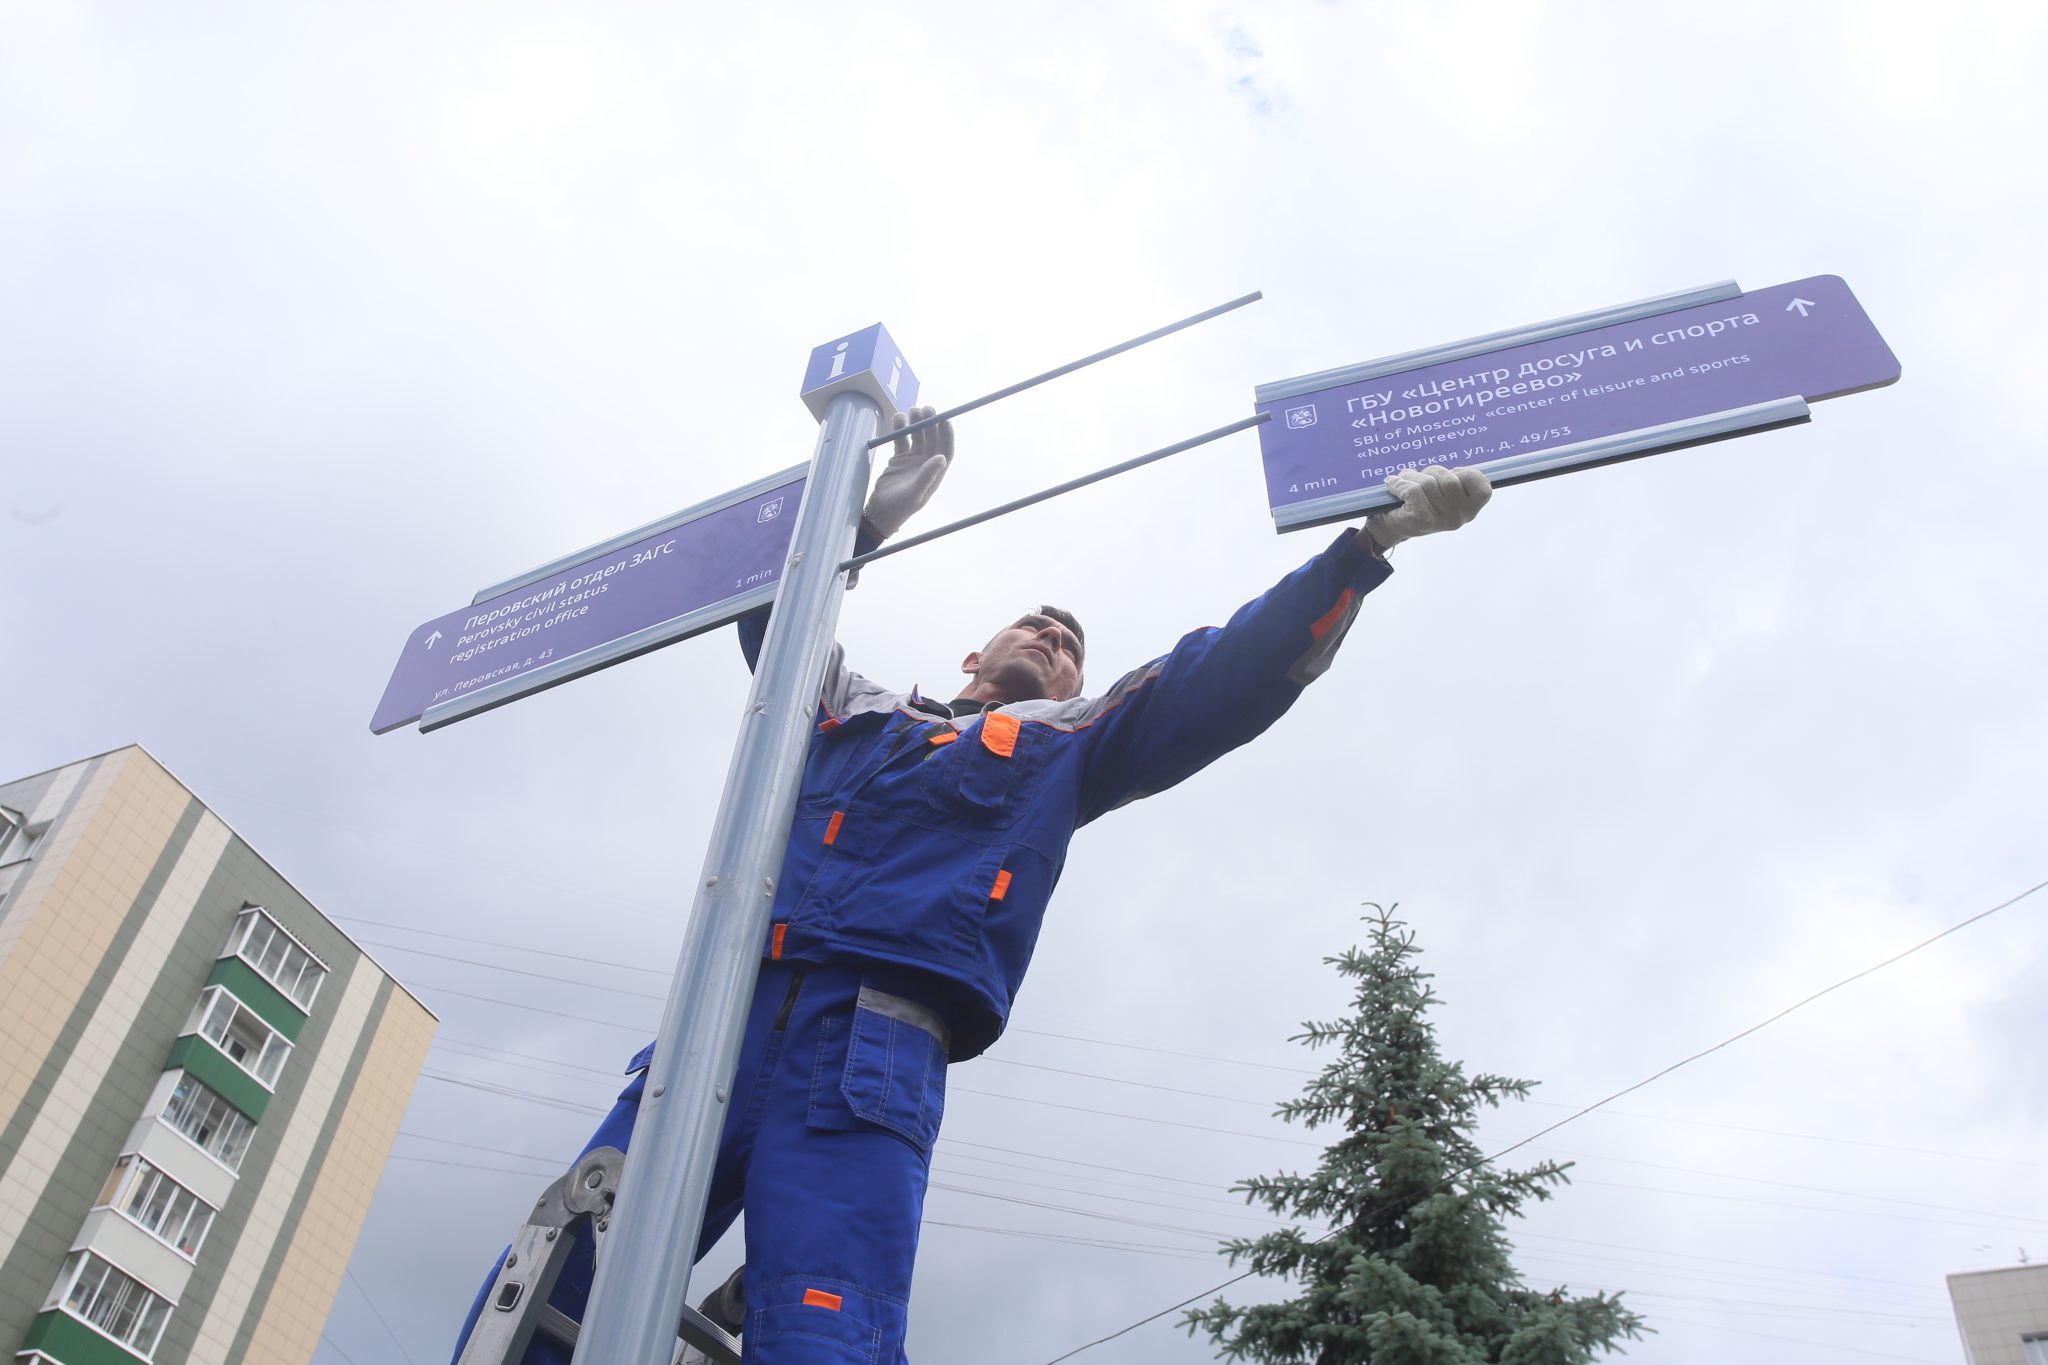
867 362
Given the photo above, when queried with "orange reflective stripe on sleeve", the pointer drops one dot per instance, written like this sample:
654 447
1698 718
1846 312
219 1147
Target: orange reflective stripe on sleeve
832 826
999 732
1332 618
818 1298
775 948
1002 887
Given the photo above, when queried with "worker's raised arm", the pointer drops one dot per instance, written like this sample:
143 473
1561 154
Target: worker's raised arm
1221 687
904 486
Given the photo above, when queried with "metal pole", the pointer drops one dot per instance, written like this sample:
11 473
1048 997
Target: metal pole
644 1275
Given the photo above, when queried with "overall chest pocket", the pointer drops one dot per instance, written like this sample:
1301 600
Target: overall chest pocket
988 776
841 756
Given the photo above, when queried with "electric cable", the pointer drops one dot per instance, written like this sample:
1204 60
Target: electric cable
1794 1185
1803 1341
1138 1047
553 978
1139 1118
2023 1222
379 1315
1119 1080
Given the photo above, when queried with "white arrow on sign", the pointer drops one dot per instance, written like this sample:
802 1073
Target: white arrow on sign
431 638
1801 304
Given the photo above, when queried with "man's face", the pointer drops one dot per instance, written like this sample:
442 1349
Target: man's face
1036 657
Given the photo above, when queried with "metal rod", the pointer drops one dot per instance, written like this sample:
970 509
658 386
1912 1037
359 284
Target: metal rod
643 1276
1069 486
950 413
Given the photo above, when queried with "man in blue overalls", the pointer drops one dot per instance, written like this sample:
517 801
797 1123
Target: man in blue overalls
928 838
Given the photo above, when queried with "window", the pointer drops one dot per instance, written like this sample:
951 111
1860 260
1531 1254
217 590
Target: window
96 1291
216 1127
13 832
18 841
2035 1344
158 1205
263 943
241 1033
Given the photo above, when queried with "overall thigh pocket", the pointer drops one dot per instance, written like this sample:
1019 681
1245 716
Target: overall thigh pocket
883 1067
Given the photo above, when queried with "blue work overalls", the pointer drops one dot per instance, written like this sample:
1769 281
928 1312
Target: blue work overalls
921 858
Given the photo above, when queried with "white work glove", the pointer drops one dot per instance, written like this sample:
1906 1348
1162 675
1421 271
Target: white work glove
912 474
1433 499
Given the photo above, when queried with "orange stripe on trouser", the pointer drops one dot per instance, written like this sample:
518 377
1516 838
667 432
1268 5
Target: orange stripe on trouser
832 826
818 1298
1002 887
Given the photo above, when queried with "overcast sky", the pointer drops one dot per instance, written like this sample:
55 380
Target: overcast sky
314 321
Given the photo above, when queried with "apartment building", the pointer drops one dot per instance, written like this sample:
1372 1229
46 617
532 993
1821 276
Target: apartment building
2002 1314
200 1081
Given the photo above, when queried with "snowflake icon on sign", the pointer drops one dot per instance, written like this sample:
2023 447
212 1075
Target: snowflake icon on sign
770 510
1297 418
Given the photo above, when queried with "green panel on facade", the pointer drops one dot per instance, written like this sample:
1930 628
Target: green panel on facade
259 995
212 1066
63 1337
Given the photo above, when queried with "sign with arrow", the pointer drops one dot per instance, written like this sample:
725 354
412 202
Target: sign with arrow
652 586
1568 394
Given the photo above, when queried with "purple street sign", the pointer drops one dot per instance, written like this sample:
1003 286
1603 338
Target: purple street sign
650 587
1573 394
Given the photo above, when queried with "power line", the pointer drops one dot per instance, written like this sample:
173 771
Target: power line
441 1040
1091 1194
558 1162
510 1092
1119 1080
350 1360
468 1166
1801 1137
1140 1118
554 978
553 954
1765 1023
1091 1165
1635 1272
1770 1308
1626 1090
1687 1275
1809 1208
1125 1046
1147 1248
1161 1051
1723 1260
550 953
533 1009
2006 1220
1803 1341
1793 1185
380 1316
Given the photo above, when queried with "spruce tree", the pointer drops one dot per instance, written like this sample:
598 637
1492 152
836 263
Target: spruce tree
1416 1269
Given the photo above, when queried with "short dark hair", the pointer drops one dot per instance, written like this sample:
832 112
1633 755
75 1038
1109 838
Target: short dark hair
1067 619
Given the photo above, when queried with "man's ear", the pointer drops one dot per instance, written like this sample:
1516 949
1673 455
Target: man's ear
971 665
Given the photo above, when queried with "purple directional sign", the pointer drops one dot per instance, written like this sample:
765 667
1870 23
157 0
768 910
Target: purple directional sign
650 587
1576 392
